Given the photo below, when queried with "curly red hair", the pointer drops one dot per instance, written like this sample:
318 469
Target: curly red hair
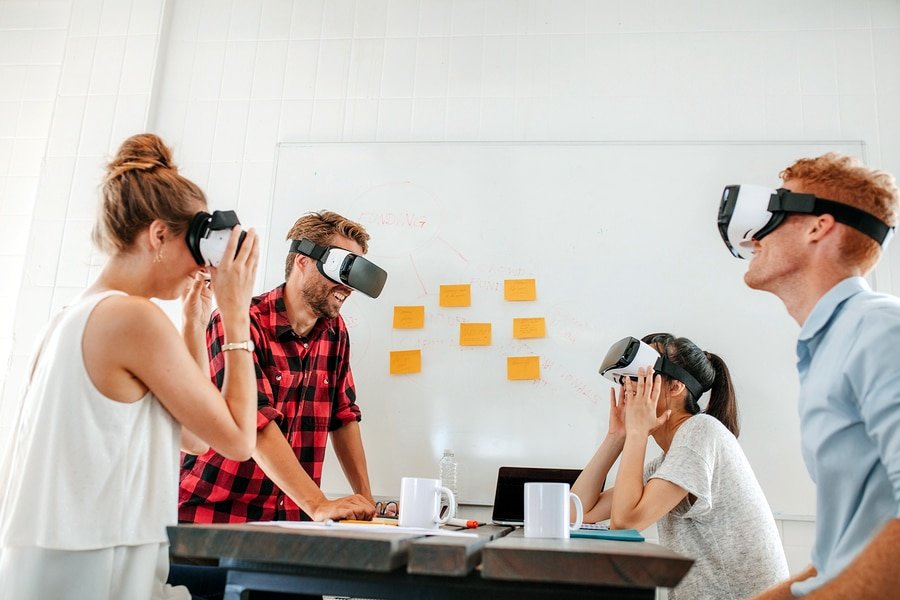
845 179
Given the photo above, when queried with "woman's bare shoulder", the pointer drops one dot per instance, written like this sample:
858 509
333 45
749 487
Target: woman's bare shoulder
129 316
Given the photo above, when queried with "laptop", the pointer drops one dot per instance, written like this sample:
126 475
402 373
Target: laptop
509 498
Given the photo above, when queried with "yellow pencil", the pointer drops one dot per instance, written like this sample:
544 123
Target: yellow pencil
375 521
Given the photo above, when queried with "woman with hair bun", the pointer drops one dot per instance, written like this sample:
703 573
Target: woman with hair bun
91 479
701 493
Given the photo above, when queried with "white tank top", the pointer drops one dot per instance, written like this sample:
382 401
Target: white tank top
86 472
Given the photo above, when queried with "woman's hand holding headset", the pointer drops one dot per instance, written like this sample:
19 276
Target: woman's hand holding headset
640 399
233 279
616 413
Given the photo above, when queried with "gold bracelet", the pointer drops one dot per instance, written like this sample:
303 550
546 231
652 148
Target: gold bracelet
246 345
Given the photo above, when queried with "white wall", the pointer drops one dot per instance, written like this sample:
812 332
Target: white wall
93 91
235 78
32 43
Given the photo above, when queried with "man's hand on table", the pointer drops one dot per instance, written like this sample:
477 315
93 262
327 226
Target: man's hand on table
348 507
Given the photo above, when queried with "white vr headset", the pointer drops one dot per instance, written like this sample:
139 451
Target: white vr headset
625 357
208 234
751 212
344 267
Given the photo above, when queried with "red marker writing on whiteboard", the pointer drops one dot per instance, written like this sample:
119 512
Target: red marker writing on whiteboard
467 523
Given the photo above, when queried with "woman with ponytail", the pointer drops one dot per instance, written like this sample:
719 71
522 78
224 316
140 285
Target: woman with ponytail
701 492
91 480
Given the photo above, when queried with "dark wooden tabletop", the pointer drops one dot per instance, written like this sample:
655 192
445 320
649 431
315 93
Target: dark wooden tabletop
500 556
357 550
583 561
438 555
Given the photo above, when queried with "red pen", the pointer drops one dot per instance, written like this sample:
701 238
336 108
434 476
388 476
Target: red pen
468 524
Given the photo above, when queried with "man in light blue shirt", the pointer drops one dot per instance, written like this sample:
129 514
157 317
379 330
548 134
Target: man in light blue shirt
848 358
848 355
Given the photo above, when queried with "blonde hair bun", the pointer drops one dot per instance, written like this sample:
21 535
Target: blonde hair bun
142 152
142 184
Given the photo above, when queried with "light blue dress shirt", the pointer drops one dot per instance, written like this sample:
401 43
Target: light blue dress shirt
848 357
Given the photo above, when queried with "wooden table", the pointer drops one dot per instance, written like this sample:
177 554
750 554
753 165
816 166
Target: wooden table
493 566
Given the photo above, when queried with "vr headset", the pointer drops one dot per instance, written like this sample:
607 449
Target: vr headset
625 357
344 267
208 235
751 212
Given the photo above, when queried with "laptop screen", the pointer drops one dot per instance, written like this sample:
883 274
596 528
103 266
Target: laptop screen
509 498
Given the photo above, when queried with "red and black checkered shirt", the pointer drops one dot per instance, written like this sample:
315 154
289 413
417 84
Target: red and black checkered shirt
304 384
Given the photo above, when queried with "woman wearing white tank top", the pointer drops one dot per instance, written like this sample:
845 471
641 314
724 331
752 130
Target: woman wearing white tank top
91 478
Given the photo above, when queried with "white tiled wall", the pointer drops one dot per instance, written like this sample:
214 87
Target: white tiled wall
86 69
235 77
32 42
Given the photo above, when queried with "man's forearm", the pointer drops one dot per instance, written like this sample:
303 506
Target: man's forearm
276 458
873 574
782 591
349 449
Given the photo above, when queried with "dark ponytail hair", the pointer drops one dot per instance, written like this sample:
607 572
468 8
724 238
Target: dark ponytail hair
722 402
707 368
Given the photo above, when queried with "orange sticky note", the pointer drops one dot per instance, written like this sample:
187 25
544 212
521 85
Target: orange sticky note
409 317
519 290
404 362
456 295
474 334
529 328
523 367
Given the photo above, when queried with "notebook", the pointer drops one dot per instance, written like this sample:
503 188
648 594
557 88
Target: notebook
625 535
509 497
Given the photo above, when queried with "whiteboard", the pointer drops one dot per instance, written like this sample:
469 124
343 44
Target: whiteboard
621 239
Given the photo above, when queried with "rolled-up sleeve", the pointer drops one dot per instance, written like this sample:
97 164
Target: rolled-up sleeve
344 408
215 336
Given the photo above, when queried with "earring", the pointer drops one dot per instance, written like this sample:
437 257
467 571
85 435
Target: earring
159 255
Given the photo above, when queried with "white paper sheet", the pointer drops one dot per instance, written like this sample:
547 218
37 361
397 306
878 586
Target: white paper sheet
373 528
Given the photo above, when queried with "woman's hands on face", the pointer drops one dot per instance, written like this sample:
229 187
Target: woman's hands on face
640 399
233 279
616 413
196 301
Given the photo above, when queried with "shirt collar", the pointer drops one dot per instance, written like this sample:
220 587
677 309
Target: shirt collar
829 303
281 323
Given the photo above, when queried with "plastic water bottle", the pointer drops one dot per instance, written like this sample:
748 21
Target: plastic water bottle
448 472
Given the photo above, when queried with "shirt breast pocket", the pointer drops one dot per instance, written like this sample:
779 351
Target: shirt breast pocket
318 391
284 386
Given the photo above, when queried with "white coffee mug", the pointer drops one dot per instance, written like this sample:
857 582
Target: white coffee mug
420 503
547 510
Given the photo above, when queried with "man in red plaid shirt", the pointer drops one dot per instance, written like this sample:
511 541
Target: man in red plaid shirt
305 391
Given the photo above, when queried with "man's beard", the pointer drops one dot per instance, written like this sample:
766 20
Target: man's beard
317 297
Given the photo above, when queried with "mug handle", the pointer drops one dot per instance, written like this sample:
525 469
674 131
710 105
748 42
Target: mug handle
579 511
451 506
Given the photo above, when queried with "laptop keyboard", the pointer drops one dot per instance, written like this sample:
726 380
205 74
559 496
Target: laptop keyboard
601 526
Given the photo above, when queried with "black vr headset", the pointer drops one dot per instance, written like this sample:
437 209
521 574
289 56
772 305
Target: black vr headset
208 235
625 357
344 267
751 212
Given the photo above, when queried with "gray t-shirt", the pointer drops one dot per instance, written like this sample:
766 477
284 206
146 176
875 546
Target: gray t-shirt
729 530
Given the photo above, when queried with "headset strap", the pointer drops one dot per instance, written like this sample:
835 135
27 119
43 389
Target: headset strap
664 366
786 201
309 248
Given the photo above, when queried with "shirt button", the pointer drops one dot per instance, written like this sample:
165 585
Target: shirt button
281 502
305 344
